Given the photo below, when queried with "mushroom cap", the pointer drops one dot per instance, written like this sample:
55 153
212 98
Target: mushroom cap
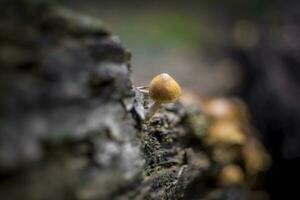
231 175
226 133
222 108
164 89
255 156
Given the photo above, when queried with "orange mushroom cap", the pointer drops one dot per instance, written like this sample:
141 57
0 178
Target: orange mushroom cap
231 175
164 89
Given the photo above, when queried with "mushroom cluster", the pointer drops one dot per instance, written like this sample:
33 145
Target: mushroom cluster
233 142
233 139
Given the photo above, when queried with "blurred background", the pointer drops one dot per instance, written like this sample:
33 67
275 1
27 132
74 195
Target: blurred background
249 49
193 41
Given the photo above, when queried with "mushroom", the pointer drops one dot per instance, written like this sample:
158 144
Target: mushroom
255 156
225 132
162 89
224 108
231 175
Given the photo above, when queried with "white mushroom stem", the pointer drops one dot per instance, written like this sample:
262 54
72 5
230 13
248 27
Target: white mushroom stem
152 110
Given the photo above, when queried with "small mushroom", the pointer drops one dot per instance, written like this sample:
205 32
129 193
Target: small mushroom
224 108
162 89
255 156
231 175
224 132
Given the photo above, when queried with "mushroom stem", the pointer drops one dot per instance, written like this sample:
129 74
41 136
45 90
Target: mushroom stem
152 110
